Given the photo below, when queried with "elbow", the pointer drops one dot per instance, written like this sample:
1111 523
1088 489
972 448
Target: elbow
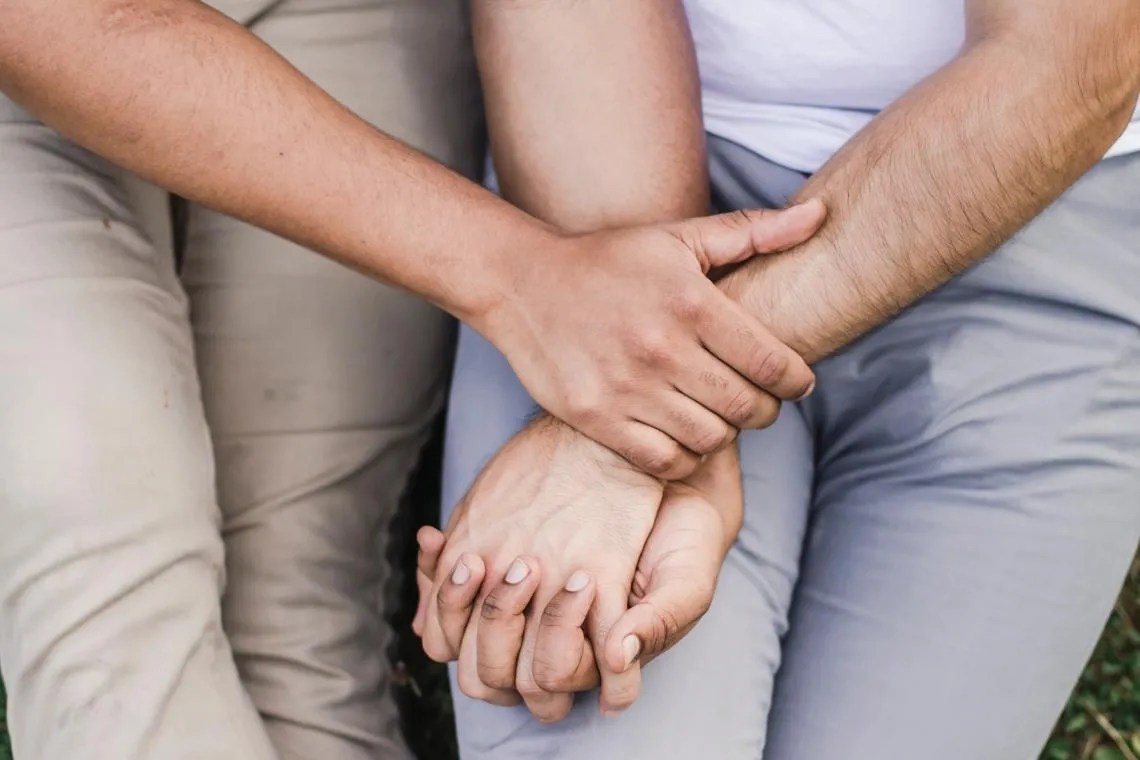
1086 61
1105 75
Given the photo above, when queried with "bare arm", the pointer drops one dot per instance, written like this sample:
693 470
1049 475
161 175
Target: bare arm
595 122
594 115
593 109
954 168
178 93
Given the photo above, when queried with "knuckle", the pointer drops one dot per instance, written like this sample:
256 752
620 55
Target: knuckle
769 367
529 690
497 676
555 614
710 440
444 600
742 408
437 651
684 424
713 380
661 631
736 220
661 461
767 410
584 402
622 695
548 676
492 610
470 685
653 348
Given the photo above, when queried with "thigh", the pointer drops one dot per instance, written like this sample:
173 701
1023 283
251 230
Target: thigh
321 387
111 561
976 506
710 694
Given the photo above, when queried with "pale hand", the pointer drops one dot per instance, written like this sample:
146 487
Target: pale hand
550 503
673 587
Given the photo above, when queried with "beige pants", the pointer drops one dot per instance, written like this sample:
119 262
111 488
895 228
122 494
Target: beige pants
196 474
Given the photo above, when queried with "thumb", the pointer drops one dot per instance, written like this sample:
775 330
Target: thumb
727 239
670 609
621 675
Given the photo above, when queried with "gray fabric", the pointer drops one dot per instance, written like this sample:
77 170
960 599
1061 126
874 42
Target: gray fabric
932 541
301 390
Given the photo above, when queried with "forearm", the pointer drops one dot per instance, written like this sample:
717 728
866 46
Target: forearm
950 171
181 95
593 109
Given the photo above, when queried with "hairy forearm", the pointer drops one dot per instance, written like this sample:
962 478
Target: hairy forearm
950 171
593 108
183 96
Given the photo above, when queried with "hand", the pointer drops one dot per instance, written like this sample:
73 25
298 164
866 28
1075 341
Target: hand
550 503
622 335
673 586
676 577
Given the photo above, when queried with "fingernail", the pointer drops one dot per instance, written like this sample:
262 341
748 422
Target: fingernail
517 572
808 392
631 647
612 713
461 574
577 582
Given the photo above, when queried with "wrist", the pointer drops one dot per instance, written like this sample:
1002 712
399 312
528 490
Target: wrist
783 293
485 300
581 451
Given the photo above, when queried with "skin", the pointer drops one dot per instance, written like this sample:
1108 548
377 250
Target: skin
635 70
504 654
183 96
965 163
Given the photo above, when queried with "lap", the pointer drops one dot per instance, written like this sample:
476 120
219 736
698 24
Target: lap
322 385
975 512
111 563
708 694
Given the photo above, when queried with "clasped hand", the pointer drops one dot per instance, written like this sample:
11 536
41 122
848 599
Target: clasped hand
564 567
567 566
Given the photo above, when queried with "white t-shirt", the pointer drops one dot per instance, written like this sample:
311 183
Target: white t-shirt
793 80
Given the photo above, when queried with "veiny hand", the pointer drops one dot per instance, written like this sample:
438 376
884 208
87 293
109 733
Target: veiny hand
622 335
673 586
550 503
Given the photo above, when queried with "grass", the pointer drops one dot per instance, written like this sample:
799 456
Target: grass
1101 722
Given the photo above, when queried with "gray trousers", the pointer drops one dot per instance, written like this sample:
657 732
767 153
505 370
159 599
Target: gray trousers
248 428
932 542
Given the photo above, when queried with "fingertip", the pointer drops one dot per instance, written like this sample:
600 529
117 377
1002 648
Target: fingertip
429 538
437 651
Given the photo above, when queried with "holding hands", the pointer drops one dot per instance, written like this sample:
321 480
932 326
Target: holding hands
572 571
622 335
568 566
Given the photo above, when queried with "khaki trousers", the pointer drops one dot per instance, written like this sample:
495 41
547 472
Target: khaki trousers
197 471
